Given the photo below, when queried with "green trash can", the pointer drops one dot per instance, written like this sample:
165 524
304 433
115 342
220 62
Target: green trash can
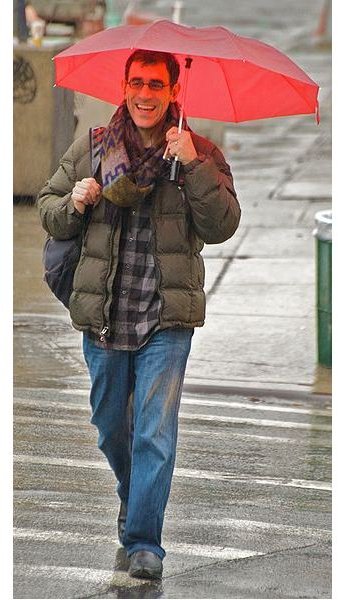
323 234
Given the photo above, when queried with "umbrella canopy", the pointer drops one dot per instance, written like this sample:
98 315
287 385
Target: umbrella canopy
232 78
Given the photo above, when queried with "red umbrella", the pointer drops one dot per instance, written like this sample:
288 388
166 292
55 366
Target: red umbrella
232 78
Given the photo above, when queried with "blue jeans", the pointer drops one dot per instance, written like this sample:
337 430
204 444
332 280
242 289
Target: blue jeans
141 451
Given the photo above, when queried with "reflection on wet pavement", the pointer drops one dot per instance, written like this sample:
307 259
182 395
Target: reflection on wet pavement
47 352
123 586
31 294
47 349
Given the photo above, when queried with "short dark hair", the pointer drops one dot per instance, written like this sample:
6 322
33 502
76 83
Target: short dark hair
152 57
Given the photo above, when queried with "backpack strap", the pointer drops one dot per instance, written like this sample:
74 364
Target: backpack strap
95 141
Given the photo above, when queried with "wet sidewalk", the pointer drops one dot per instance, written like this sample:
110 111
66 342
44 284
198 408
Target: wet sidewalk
261 285
249 514
260 330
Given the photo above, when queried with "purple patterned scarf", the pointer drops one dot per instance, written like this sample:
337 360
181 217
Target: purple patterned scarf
129 170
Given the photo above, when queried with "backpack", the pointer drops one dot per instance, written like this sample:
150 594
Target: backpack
60 259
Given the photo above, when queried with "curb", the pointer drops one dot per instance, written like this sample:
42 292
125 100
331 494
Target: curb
291 392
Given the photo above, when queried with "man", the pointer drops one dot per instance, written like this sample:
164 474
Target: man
138 288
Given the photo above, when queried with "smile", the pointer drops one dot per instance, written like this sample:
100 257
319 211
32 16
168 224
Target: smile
145 107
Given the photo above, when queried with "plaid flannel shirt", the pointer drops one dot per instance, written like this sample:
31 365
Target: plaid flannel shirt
136 302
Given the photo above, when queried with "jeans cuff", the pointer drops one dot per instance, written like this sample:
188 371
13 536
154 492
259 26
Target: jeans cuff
131 548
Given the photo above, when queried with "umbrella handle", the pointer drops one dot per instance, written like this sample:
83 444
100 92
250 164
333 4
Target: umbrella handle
176 164
175 170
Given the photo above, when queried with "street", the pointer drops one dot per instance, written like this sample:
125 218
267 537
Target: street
250 510
249 515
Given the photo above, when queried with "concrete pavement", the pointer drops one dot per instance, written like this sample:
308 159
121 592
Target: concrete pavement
261 312
249 514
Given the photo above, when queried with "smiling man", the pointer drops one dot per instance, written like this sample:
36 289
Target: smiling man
138 288
148 90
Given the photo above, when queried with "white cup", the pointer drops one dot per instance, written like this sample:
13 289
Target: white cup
37 31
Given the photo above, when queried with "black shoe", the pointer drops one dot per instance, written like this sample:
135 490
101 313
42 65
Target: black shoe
121 522
145 565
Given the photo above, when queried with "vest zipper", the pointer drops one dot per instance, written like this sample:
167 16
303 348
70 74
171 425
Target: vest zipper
105 330
153 249
104 334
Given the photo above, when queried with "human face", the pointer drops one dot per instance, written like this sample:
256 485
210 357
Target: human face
148 107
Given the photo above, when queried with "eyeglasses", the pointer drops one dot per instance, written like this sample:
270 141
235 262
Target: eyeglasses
154 84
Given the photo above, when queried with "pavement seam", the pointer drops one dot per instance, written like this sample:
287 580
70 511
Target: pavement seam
246 558
282 550
204 566
302 215
207 388
301 159
247 391
213 564
291 170
99 592
228 262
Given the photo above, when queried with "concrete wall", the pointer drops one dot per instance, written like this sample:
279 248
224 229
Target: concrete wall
90 112
43 118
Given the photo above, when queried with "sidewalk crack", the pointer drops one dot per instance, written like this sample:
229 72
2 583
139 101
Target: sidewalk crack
228 262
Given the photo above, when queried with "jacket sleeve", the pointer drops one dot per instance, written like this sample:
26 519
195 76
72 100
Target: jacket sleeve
58 215
214 207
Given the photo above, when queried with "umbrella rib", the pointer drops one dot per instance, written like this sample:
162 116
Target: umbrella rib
90 57
227 84
297 91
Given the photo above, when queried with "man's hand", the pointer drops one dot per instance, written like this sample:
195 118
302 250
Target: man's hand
86 192
180 145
